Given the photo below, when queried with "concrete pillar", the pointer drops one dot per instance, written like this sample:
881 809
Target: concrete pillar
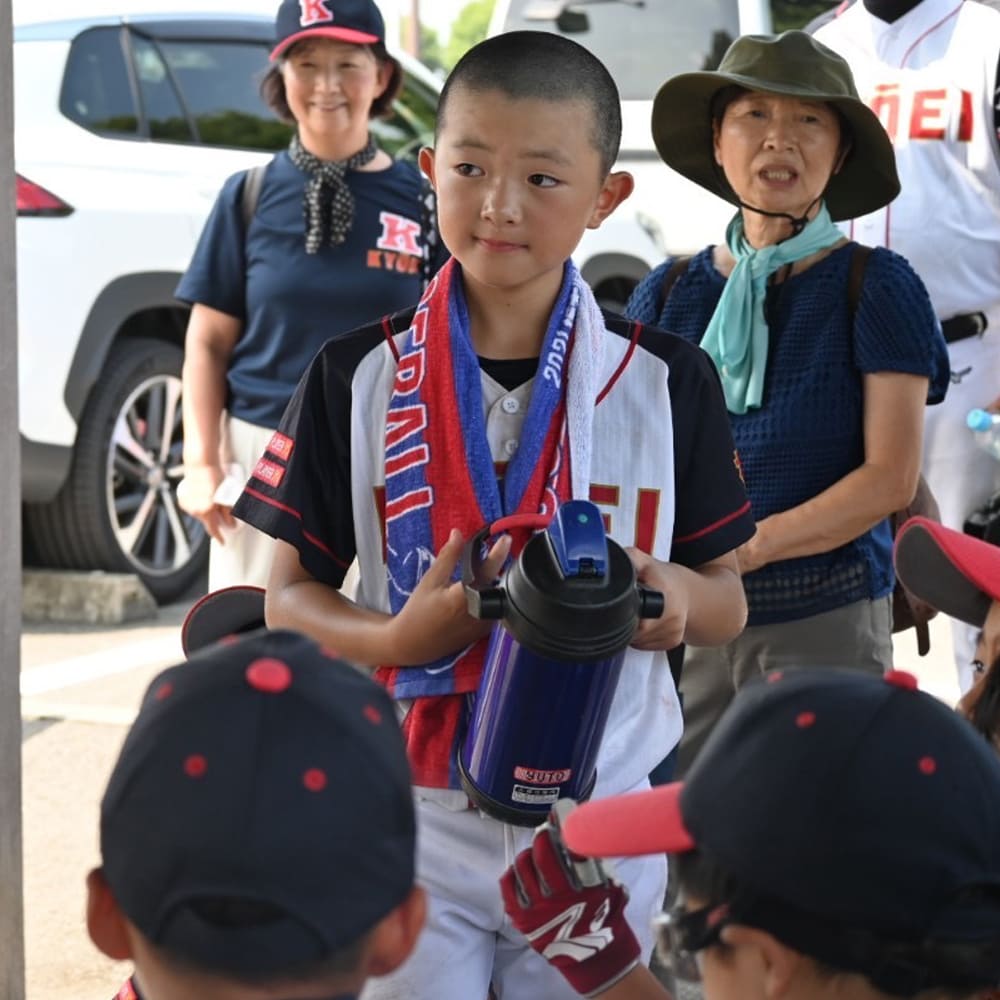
11 882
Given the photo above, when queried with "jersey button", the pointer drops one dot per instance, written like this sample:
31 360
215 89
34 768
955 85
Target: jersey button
510 446
510 404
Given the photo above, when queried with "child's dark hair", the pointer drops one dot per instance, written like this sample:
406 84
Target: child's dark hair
982 704
272 86
701 878
543 66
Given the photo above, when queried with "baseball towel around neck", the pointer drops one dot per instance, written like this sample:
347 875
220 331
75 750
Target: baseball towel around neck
440 474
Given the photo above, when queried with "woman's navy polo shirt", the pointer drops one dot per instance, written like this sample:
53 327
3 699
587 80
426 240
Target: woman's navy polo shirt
291 302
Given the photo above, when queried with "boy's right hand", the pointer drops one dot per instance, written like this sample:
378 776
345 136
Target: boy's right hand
435 620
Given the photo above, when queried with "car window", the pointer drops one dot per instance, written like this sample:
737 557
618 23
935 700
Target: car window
162 110
220 85
96 92
640 44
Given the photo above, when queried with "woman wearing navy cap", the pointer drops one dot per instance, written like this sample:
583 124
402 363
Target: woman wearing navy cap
338 237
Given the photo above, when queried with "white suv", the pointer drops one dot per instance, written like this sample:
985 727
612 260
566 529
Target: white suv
126 126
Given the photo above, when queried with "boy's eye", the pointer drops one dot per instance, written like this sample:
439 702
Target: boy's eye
468 170
542 180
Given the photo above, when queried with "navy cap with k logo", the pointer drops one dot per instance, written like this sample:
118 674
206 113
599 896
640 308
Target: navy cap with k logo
356 21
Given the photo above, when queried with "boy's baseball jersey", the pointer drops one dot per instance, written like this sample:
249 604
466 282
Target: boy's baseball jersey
930 77
663 472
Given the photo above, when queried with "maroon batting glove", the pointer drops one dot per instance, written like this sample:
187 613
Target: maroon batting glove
580 930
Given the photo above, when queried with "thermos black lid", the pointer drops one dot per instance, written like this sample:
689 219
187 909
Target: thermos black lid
572 594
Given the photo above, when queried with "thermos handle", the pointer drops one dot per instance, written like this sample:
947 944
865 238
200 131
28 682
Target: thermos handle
484 600
651 603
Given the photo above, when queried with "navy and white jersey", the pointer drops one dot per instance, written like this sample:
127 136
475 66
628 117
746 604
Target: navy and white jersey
291 302
663 472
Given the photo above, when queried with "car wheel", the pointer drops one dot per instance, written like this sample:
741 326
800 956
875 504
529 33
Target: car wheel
118 509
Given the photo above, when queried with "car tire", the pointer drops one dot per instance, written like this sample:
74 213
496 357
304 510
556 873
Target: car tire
118 509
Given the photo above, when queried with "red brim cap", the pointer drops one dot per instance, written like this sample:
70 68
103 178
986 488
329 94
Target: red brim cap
229 611
340 34
647 822
952 571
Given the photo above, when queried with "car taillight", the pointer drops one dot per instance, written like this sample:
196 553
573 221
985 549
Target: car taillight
32 199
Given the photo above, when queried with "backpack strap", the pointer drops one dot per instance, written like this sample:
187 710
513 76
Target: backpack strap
856 277
678 267
253 181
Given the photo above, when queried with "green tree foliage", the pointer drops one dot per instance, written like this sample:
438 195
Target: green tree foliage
469 28
797 13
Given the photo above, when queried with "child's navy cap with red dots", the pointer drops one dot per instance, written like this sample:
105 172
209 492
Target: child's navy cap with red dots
265 778
845 803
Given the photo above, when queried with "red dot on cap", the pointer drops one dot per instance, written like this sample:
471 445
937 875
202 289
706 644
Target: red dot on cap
373 715
330 654
774 676
902 679
164 691
270 676
314 779
195 766
229 640
805 719
927 765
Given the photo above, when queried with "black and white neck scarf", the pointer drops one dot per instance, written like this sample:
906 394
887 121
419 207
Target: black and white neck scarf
329 204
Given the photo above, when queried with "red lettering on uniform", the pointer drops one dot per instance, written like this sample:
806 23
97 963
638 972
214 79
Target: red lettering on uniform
420 455
965 118
607 495
927 120
647 512
375 258
403 423
399 233
390 259
885 104
406 265
269 473
314 11
410 373
414 500
280 446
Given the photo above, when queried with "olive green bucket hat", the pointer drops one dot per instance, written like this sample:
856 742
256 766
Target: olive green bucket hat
796 65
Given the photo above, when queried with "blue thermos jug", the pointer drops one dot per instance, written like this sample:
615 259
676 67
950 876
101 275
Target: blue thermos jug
566 611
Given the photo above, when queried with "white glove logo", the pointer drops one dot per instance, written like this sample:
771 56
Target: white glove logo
580 948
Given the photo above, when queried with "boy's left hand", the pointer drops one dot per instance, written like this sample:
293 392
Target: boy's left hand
667 631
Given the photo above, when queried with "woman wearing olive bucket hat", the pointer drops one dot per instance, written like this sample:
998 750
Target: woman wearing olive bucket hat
825 382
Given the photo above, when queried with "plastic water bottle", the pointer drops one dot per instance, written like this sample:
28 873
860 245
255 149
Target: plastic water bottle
986 428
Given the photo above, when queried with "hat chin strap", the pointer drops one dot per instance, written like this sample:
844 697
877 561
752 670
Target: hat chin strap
798 222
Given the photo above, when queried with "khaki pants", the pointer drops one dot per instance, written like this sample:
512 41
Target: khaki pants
858 636
246 556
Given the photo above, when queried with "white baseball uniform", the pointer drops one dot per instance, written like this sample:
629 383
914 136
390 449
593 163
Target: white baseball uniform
931 77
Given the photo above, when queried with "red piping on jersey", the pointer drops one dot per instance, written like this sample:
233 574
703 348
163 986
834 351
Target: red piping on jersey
932 28
312 539
390 336
633 341
714 526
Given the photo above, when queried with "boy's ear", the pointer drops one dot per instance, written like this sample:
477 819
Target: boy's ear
617 187
105 920
779 967
395 936
425 158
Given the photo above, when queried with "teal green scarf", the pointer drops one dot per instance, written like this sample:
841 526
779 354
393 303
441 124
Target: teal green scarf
737 334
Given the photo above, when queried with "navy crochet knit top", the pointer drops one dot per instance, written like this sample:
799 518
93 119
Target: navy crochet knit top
808 432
